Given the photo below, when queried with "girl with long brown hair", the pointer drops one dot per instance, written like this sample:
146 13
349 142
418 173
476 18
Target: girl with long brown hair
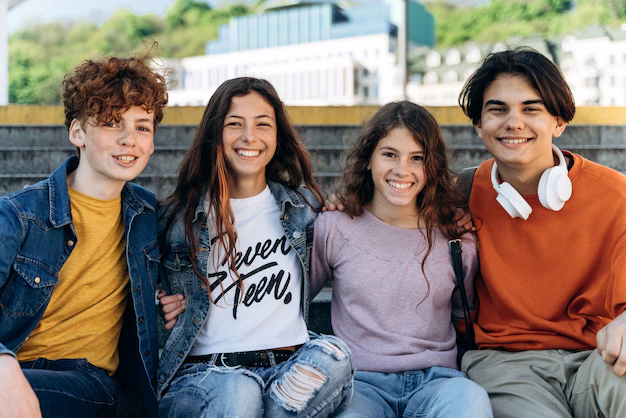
236 236
394 298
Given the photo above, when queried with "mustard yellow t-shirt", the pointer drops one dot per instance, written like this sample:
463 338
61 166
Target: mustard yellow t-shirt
84 317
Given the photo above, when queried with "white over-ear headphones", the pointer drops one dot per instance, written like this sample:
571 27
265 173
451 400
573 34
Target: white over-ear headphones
555 188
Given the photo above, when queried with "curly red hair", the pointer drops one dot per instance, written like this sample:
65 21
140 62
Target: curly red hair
107 88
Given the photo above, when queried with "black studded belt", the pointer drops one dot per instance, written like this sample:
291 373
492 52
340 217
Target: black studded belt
259 358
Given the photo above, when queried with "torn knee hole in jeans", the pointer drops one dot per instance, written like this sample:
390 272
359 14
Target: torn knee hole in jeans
298 386
330 348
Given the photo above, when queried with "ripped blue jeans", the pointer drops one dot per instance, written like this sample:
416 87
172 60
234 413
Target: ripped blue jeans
314 382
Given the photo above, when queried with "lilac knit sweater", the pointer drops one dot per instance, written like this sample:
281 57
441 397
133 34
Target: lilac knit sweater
375 270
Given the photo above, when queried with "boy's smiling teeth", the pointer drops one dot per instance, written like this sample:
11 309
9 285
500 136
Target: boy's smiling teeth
126 158
513 141
248 153
398 185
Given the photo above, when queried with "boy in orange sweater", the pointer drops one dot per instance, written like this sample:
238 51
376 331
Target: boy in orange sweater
551 325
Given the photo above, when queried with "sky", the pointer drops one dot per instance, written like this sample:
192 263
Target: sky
30 12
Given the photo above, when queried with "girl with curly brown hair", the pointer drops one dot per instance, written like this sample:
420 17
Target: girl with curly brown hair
394 297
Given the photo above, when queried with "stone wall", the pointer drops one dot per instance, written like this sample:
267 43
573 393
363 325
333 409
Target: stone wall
29 153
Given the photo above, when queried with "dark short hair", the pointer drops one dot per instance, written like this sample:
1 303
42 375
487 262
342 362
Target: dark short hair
542 74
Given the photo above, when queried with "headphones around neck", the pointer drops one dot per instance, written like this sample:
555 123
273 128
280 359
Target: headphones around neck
555 188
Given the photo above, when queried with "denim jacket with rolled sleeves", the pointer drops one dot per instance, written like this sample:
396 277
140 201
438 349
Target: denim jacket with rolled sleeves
37 237
296 218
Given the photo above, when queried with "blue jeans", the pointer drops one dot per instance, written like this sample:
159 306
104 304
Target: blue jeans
72 388
314 382
433 392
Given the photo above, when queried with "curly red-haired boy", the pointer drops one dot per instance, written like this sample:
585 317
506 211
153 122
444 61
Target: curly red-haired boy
78 260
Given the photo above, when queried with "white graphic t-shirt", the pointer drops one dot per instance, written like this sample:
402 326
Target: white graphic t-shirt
266 314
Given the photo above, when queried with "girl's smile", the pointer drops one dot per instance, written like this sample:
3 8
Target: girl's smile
397 169
249 141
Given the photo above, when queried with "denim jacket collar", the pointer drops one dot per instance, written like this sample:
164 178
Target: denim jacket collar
285 195
60 213
281 193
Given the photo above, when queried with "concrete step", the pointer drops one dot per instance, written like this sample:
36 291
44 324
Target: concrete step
327 159
30 153
26 165
181 135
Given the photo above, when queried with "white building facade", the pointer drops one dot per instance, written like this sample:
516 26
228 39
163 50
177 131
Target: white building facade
595 67
593 63
314 52
357 70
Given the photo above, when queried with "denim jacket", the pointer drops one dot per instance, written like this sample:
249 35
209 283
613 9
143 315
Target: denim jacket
296 218
37 237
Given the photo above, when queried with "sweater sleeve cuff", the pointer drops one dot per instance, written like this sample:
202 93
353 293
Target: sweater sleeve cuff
4 350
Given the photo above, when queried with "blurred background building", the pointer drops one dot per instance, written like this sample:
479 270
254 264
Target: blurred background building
313 52
593 61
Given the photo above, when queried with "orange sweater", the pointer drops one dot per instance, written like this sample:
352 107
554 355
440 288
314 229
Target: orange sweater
554 280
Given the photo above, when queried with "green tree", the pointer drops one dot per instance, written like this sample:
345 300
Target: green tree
184 12
618 8
501 19
40 56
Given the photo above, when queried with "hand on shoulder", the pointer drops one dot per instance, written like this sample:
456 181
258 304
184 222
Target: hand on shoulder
332 203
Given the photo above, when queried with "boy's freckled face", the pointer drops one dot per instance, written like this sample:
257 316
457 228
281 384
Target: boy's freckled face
115 152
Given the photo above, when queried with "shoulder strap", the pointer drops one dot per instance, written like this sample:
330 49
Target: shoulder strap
464 181
457 264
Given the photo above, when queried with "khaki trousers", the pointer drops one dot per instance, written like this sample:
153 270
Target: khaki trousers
547 383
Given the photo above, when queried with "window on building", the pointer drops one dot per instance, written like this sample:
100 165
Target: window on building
468 72
186 79
433 59
306 91
612 80
499 47
473 55
417 78
591 82
431 78
450 76
590 63
612 59
366 92
453 57
315 84
567 64
568 44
